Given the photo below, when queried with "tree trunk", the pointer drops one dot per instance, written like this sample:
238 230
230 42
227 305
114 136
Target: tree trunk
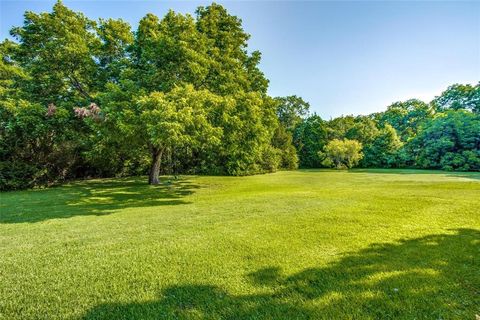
155 167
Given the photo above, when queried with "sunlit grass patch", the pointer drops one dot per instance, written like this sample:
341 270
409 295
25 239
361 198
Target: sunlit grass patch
291 245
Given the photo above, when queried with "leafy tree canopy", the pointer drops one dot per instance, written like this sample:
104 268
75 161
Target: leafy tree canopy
458 97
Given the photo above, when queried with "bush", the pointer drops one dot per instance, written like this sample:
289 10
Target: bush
342 154
17 175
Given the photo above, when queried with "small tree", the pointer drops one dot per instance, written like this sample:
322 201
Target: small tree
341 154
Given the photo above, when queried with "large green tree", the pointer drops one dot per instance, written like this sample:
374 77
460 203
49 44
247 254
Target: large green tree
159 123
119 89
39 143
450 141
65 59
209 53
309 137
384 151
406 117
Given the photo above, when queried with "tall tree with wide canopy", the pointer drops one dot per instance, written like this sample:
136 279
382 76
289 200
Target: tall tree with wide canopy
158 122
208 53
75 62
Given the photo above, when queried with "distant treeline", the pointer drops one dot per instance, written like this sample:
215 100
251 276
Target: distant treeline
443 134
81 98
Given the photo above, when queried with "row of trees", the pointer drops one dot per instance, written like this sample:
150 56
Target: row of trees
443 134
86 98
181 94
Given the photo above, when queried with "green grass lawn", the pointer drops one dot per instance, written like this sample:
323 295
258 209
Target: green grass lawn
364 244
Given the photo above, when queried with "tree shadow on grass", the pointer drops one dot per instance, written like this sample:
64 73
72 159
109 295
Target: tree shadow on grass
95 197
433 277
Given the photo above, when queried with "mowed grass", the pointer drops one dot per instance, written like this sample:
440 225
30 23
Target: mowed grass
364 244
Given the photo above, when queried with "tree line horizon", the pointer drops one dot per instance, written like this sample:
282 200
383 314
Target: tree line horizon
182 95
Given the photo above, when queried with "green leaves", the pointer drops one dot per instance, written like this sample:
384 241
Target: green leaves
459 97
449 141
184 93
58 49
384 150
178 118
342 154
169 52
309 137
180 87
406 117
291 110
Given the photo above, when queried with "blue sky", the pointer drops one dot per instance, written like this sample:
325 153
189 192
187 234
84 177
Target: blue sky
342 57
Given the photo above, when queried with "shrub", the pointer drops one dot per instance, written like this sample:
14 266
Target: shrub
342 154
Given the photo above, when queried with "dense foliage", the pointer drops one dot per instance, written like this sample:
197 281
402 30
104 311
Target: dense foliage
443 134
86 98
182 94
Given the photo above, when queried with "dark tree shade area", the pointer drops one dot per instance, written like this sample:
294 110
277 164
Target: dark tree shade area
182 94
